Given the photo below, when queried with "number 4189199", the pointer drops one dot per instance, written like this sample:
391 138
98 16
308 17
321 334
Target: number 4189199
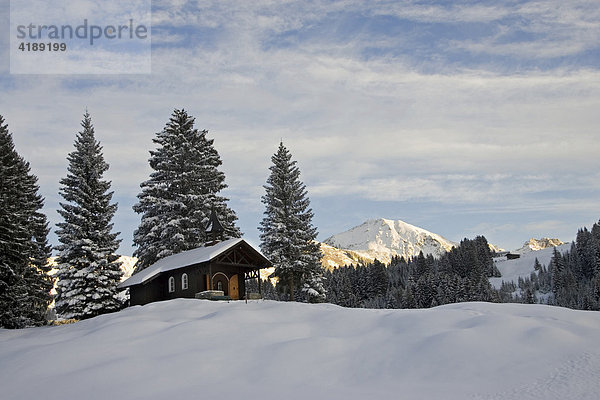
27 46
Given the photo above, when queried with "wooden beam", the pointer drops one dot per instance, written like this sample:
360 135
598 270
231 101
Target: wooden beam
245 266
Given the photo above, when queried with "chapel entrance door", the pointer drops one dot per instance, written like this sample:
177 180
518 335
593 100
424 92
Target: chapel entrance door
234 292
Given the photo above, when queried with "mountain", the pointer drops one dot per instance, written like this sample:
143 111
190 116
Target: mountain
127 266
495 249
538 244
382 239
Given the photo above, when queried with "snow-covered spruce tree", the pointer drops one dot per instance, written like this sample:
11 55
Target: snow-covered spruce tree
88 269
24 282
183 188
288 236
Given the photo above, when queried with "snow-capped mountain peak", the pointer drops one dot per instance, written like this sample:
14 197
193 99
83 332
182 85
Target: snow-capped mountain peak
384 238
538 244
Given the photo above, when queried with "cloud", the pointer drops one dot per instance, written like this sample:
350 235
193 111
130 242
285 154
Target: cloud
491 228
400 126
546 226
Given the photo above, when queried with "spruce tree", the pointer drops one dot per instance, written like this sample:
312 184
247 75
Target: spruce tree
184 187
24 282
288 236
88 269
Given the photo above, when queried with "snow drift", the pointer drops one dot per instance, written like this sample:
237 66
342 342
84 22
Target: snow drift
269 350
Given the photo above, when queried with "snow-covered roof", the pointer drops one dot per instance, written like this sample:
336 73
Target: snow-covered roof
183 259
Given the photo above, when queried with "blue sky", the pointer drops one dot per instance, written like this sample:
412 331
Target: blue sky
464 118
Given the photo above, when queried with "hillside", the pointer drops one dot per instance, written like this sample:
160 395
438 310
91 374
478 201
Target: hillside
522 267
193 349
383 238
334 257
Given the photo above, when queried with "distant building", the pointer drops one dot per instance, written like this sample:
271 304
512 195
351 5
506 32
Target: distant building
224 266
512 256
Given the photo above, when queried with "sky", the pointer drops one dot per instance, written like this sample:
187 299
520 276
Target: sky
464 118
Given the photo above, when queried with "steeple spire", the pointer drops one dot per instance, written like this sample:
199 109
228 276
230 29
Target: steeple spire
214 228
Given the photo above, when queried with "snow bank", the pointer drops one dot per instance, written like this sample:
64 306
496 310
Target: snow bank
269 350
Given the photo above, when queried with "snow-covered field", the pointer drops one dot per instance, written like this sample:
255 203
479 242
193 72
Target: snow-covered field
269 350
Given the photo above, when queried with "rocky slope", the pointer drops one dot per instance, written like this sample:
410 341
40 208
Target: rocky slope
538 244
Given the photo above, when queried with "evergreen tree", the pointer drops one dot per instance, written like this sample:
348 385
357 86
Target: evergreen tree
596 244
288 236
557 268
409 300
378 279
184 187
88 269
24 282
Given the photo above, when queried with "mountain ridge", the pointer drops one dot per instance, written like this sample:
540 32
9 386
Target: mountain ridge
539 244
383 239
